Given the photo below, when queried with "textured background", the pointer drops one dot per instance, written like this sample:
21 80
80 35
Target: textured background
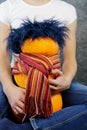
81 7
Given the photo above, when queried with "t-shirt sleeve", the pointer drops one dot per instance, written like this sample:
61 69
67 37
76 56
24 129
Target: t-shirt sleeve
4 13
72 14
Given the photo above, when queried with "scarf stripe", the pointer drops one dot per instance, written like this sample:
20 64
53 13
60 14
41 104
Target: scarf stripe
41 59
38 94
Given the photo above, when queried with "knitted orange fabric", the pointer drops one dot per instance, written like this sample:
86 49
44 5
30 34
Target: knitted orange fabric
44 46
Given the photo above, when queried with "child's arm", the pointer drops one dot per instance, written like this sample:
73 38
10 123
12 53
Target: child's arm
69 67
14 94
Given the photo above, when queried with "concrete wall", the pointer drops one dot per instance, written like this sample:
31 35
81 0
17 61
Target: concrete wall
81 7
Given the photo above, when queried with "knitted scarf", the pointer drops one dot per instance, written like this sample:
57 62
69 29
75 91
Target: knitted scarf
38 94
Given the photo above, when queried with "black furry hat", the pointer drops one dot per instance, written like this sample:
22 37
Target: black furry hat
48 28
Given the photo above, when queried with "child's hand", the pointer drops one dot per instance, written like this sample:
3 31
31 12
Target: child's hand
16 97
60 83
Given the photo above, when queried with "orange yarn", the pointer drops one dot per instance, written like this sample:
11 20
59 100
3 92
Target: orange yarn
44 46
56 102
21 80
47 47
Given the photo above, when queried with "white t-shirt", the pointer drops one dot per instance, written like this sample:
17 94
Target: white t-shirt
13 12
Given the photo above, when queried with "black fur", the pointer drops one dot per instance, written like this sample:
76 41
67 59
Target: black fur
48 28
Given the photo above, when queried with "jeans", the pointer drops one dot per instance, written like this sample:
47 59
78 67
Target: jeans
4 105
73 116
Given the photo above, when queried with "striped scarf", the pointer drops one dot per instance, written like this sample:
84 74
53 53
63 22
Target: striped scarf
38 95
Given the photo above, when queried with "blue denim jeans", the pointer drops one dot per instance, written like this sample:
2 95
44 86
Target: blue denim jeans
4 105
72 117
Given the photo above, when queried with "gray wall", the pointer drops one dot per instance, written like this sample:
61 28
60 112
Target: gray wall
81 7
1 1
